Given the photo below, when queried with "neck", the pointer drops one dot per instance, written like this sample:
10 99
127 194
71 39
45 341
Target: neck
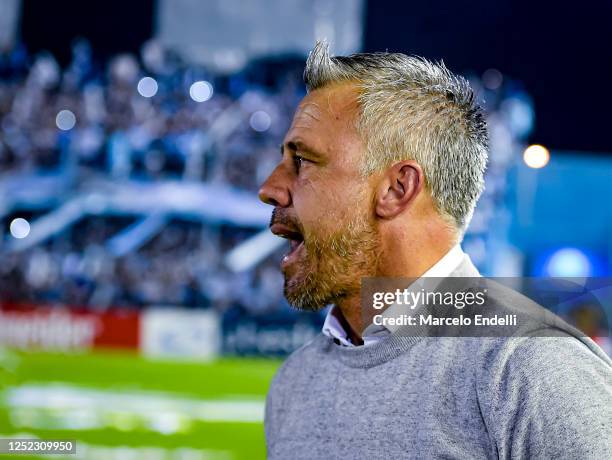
350 318
401 258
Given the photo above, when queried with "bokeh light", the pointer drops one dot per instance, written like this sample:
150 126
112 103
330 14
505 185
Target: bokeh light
536 156
569 262
65 120
260 121
201 91
19 228
147 87
492 78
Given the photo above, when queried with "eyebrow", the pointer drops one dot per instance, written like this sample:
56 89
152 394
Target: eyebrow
299 146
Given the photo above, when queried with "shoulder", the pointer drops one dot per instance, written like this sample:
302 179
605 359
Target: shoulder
541 341
543 359
542 344
547 394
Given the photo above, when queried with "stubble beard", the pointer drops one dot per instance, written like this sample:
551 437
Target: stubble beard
334 265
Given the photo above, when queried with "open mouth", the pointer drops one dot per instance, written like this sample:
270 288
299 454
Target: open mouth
294 246
296 241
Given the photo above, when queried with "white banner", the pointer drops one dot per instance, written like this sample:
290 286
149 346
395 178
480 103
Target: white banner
174 332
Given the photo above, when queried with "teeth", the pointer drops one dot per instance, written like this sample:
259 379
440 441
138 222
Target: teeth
293 247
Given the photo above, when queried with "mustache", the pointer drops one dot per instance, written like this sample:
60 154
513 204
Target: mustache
283 217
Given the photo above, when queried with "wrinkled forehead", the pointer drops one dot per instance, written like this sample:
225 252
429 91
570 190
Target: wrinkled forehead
327 117
335 102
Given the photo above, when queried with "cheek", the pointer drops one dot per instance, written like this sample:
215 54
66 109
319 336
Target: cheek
325 206
309 201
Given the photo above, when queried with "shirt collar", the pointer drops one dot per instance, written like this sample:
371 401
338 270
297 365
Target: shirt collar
332 327
447 264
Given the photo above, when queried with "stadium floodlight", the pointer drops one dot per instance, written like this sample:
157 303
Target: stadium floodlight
20 228
260 121
147 87
569 262
65 120
536 156
201 91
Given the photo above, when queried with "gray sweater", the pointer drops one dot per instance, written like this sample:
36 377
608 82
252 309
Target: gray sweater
443 397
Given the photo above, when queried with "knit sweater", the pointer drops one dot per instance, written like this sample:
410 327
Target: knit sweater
443 397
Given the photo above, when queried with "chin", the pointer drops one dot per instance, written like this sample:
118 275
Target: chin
299 300
303 297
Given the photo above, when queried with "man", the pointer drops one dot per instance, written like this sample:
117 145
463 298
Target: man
380 172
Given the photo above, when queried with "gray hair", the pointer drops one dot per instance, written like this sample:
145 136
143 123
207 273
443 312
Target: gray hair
412 108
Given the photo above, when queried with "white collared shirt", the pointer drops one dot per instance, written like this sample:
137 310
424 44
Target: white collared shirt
441 269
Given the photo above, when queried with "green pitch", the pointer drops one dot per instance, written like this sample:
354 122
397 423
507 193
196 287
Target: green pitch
122 406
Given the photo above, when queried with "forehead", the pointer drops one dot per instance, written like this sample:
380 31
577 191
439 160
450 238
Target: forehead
326 117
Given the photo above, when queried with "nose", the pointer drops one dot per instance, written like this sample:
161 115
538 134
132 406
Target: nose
275 190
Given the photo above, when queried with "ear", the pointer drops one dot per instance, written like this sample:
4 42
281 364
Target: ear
399 186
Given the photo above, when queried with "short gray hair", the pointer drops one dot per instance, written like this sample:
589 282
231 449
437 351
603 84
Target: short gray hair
412 108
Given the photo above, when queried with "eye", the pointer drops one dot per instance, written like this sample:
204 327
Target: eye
297 160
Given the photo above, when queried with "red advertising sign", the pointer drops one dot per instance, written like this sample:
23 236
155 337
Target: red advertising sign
61 328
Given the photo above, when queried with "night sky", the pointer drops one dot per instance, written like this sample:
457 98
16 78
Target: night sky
562 53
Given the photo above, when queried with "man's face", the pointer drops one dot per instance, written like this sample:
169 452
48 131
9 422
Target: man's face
322 203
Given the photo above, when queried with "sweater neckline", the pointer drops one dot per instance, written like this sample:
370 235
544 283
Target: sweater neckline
373 355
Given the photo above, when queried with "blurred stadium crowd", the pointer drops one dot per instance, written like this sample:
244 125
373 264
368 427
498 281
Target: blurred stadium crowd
154 118
148 119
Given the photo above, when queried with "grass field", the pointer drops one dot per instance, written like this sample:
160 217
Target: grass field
122 406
